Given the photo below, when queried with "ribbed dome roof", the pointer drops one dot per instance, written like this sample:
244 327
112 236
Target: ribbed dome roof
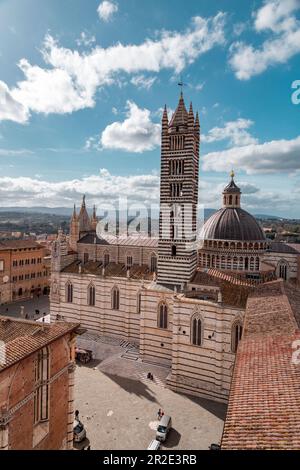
232 224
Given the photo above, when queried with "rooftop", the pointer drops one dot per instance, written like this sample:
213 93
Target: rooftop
121 240
264 402
112 269
282 247
20 338
18 244
234 291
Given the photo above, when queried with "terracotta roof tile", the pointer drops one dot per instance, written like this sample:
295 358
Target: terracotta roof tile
264 402
20 338
112 269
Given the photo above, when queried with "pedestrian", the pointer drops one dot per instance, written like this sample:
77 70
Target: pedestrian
77 414
159 414
162 413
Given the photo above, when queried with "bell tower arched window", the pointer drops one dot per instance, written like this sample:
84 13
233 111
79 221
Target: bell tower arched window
139 302
283 270
69 292
162 316
106 259
196 330
153 266
91 295
115 299
236 335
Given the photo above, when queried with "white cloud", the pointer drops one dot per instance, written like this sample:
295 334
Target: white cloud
269 157
71 79
234 131
105 188
100 188
140 81
275 17
15 152
136 133
107 9
85 39
50 90
10 108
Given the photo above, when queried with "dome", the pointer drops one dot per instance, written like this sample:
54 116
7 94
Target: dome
232 224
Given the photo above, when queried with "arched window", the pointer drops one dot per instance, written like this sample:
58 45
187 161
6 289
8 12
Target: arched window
106 259
91 295
115 299
236 334
283 269
153 264
163 316
129 261
69 292
196 330
230 200
139 302
174 250
41 394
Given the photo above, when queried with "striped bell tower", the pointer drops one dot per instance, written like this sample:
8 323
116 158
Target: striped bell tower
177 254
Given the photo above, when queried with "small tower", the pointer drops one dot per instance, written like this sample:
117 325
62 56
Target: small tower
58 251
83 219
80 225
232 194
94 220
177 254
74 230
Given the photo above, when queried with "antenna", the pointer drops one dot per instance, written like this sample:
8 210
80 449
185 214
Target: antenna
181 84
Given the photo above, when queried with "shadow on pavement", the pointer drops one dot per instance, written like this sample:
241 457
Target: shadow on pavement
217 409
132 386
173 439
90 365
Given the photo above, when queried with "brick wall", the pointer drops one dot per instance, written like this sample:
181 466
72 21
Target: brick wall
16 400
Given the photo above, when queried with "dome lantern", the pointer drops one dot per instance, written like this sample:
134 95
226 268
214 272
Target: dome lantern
232 194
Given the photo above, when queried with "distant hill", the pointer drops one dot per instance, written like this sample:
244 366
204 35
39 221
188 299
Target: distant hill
270 217
67 211
39 210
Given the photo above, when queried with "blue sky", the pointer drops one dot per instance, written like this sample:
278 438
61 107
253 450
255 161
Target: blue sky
82 85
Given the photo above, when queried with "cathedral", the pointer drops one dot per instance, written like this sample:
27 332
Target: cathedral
180 298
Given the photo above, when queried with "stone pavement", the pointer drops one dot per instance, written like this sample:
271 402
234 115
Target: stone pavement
118 404
40 303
